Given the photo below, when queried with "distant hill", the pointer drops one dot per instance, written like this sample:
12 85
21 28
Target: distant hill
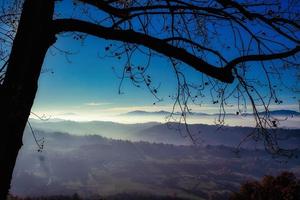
284 112
168 133
173 133
107 129
162 112
165 113
143 113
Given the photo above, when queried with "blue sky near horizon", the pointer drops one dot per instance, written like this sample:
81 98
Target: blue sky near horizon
84 77
84 83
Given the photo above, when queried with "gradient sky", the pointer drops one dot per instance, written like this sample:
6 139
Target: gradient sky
85 84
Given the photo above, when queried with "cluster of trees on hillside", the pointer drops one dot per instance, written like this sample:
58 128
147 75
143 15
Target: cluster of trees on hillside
286 186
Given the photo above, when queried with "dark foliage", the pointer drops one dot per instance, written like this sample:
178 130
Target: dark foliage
283 187
114 197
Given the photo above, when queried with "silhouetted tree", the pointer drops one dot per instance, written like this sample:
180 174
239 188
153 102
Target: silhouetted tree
223 39
283 187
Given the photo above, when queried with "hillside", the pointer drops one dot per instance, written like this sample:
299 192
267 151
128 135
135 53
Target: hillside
94 165
167 133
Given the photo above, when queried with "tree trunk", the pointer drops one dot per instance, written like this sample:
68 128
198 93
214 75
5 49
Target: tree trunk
17 93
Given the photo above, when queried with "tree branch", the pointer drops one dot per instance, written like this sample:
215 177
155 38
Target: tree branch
107 8
263 57
159 45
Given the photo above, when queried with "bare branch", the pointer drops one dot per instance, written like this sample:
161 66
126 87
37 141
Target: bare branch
159 45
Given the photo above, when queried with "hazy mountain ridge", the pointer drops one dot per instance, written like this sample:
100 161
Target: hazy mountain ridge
97 165
104 128
162 112
167 133
283 112
214 135
141 112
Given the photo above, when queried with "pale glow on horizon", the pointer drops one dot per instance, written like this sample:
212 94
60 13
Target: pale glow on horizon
110 109
230 120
